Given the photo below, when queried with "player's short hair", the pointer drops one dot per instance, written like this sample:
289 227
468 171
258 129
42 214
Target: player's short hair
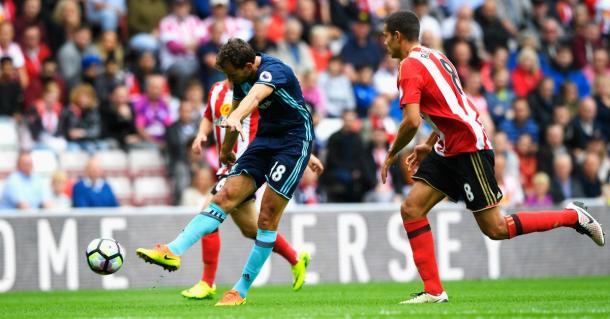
405 22
237 52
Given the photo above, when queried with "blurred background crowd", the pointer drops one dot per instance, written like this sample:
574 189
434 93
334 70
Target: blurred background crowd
100 99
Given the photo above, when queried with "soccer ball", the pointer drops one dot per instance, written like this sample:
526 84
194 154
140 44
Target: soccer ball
104 256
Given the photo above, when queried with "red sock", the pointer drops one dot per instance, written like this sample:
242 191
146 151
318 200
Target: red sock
422 245
283 248
529 222
210 249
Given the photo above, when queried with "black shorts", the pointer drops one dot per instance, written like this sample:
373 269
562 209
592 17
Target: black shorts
468 177
221 182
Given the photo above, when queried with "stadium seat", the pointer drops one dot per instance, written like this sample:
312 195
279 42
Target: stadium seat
151 190
8 131
73 163
122 189
8 164
146 162
45 162
113 162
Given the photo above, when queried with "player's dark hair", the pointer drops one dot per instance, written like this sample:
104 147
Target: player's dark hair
237 52
405 22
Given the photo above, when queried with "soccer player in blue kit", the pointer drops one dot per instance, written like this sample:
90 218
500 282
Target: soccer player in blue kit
278 155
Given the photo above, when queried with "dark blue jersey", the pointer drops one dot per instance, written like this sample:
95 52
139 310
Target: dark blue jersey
283 112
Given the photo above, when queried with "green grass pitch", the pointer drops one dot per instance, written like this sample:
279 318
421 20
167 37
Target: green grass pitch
587 297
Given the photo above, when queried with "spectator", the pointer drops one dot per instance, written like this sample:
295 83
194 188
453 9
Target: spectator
337 89
152 112
144 16
565 186
294 51
527 74
494 33
10 49
181 34
502 146
194 95
307 16
591 184
427 23
474 90
563 70
584 128
11 99
307 191
109 47
24 189
206 54
541 102
112 77
136 80
602 99
260 41
376 153
364 91
512 193
490 69
551 38
106 13
93 190
361 48
195 195
346 177
464 38
449 25
499 100
521 124
65 24
584 43
30 17
561 116
233 27
553 147
312 92
385 78
526 151
91 66
35 52
59 199
74 51
278 18
177 136
541 196
82 122
119 120
599 66
379 118
44 120
568 96
320 51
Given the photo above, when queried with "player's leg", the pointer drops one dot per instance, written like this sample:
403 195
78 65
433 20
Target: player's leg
246 219
272 207
414 210
497 226
483 195
210 250
236 189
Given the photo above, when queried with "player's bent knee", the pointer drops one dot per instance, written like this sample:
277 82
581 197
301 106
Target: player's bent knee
410 211
496 232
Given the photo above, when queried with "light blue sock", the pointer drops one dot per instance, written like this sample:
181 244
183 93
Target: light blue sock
263 245
204 223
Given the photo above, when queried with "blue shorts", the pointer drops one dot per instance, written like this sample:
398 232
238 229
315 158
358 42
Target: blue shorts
279 161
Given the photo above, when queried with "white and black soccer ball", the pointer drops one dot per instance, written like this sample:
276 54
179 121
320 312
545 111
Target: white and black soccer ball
104 256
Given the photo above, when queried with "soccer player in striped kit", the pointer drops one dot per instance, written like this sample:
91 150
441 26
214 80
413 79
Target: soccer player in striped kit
220 99
456 161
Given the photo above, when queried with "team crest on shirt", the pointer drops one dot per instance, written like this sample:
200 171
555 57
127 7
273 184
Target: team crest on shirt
225 109
265 76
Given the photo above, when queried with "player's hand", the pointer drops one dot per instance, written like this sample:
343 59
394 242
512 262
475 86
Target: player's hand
233 125
228 158
386 166
315 165
419 152
199 143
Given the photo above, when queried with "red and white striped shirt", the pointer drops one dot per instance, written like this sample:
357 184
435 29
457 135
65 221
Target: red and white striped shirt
427 77
220 100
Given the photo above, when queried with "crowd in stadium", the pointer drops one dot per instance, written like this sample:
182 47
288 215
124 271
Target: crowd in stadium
90 76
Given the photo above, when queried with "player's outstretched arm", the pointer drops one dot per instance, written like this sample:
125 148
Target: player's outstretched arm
315 165
406 132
